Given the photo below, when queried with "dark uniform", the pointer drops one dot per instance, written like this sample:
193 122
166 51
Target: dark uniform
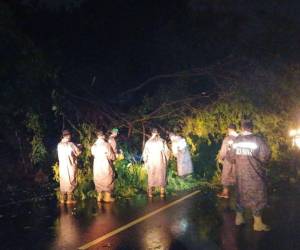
249 153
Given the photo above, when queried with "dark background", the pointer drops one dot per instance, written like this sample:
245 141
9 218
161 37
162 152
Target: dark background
115 45
63 63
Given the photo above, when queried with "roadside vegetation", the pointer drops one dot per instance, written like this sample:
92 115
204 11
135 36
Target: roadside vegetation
40 96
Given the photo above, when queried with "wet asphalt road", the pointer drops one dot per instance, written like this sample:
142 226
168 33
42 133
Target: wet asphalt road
199 222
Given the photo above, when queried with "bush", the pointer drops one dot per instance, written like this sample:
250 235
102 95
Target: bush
131 180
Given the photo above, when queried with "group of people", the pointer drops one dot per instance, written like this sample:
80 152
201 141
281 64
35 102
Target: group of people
104 152
243 157
155 155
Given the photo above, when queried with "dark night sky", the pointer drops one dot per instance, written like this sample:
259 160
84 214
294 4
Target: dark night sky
122 43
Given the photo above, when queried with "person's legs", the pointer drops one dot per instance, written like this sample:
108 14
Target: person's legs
225 193
99 197
108 197
149 192
239 218
70 198
62 197
162 192
258 224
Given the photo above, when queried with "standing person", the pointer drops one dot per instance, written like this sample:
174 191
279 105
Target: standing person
228 171
112 140
103 168
181 151
156 156
67 156
250 153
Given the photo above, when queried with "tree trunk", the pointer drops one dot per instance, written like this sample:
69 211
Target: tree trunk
144 136
129 130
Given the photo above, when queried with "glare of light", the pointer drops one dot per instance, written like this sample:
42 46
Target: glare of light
297 141
179 227
156 238
293 132
183 225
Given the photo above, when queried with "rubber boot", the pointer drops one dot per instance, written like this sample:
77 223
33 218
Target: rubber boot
224 194
70 199
162 192
149 192
62 197
239 219
258 225
99 197
107 197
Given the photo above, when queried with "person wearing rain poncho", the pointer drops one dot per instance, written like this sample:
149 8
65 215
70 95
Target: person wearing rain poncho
113 143
67 157
181 151
103 172
250 153
228 171
156 156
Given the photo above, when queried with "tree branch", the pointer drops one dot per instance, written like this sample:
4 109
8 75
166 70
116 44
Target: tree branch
190 73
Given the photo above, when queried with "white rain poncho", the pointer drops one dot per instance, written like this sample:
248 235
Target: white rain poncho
67 156
228 177
181 151
103 171
156 156
113 143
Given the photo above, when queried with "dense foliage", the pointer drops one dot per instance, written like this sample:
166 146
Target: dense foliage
52 79
131 173
204 125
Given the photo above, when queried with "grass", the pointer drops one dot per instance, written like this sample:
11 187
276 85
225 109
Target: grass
132 180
